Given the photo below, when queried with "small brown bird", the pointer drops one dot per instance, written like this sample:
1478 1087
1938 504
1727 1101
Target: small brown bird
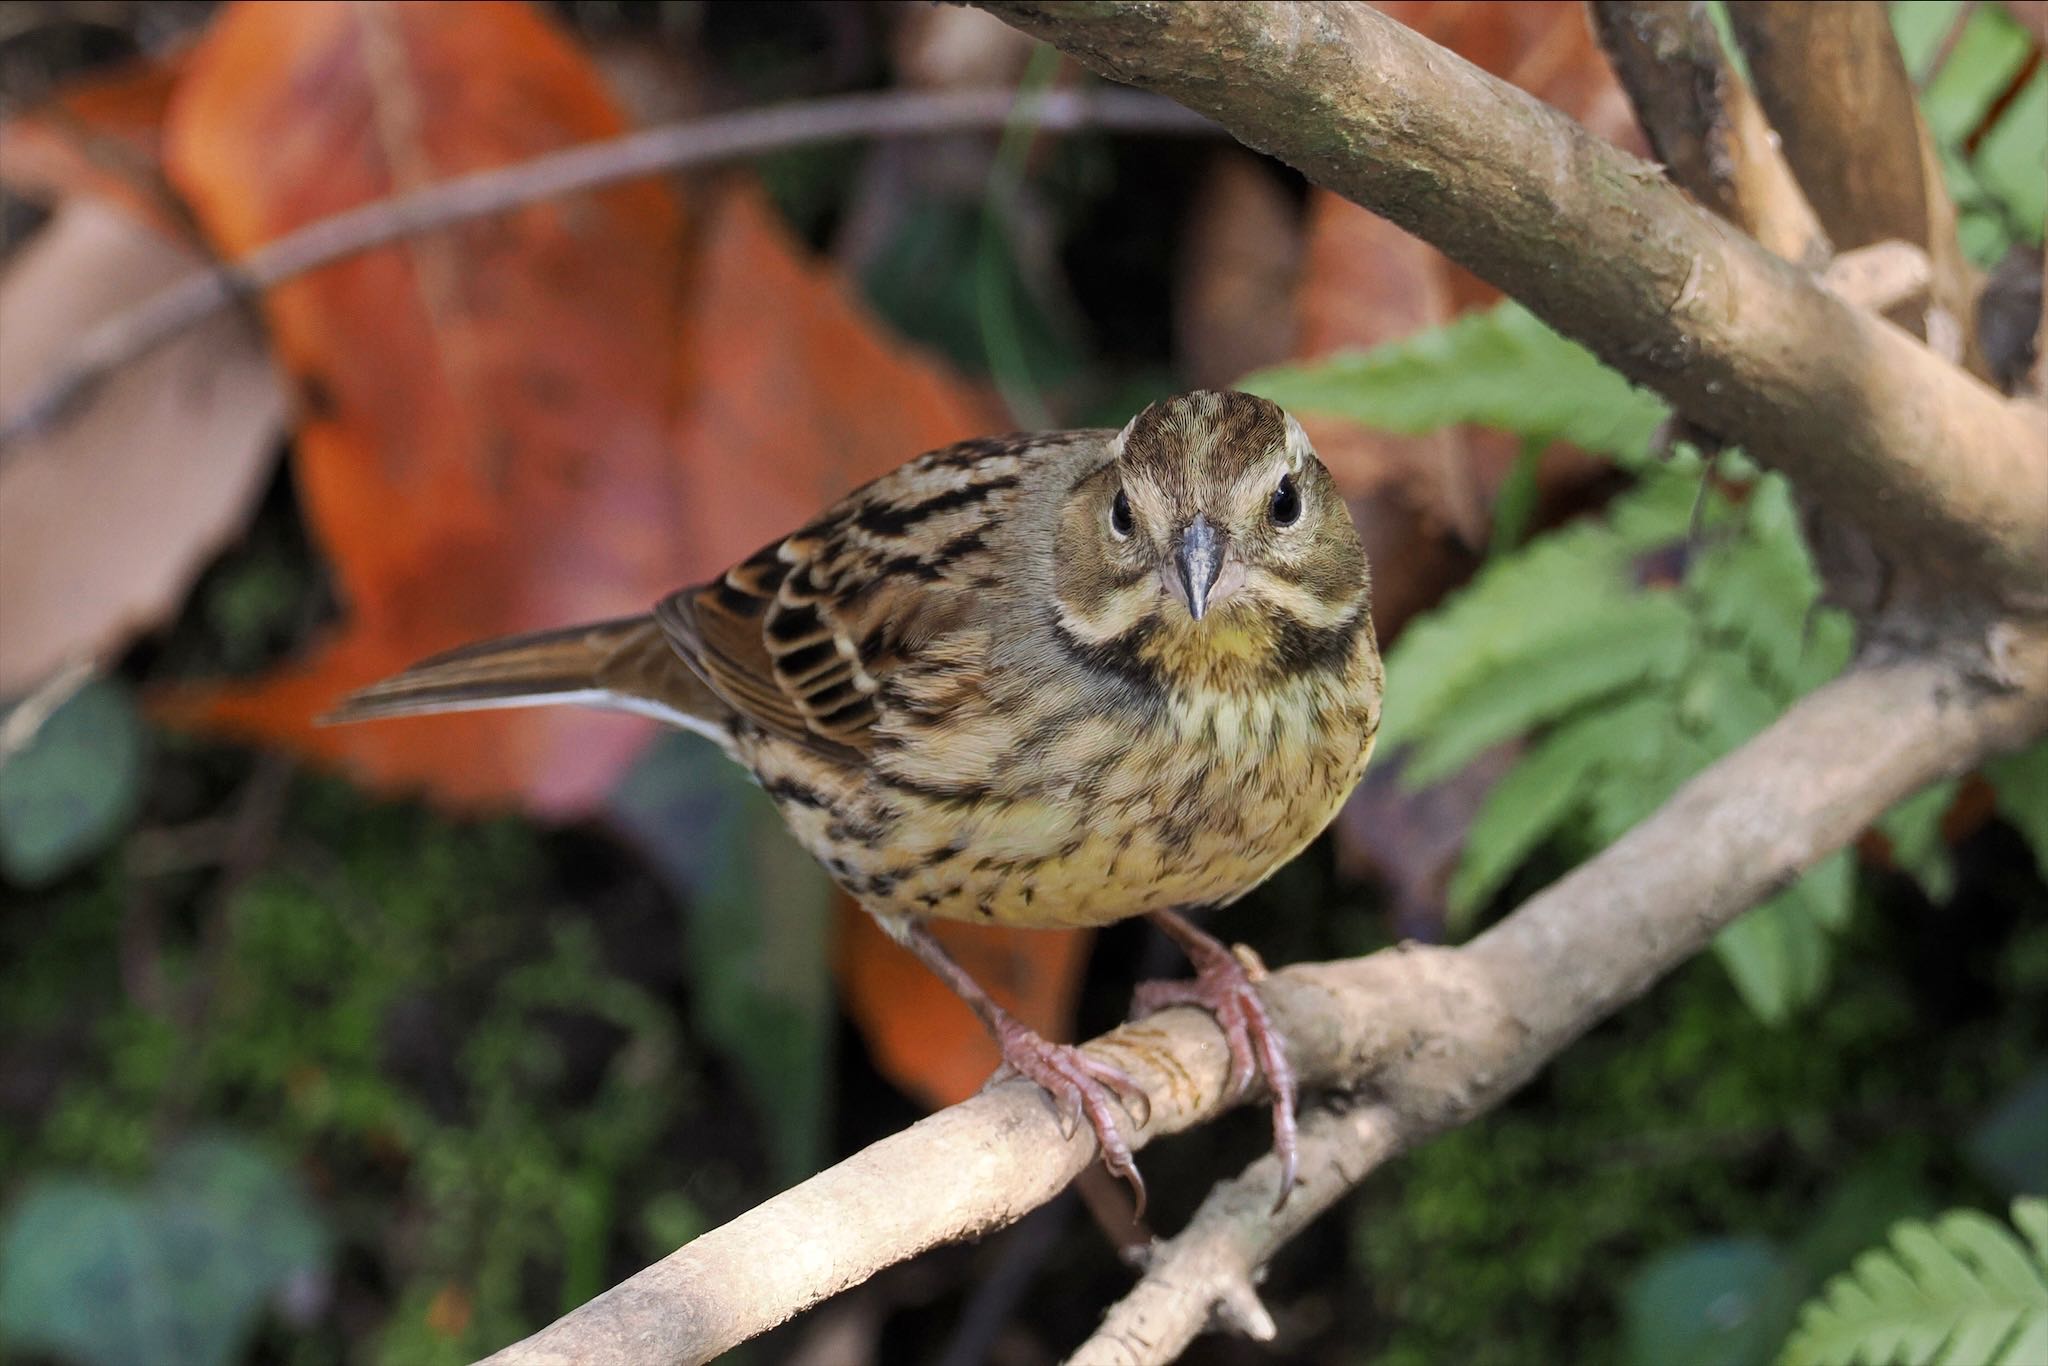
1041 681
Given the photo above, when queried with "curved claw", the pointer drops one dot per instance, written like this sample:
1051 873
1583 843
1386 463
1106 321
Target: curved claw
1224 987
1075 1085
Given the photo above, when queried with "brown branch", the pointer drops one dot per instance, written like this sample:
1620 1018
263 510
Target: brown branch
1704 123
1830 76
653 151
1935 466
1205 1276
1435 1035
1868 419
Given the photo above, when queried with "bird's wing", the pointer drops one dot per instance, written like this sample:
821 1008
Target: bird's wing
803 637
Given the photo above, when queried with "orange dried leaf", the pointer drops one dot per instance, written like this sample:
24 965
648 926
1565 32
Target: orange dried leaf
482 410
924 1038
793 392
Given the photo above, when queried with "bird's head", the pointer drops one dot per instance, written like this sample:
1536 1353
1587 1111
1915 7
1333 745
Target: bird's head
1213 531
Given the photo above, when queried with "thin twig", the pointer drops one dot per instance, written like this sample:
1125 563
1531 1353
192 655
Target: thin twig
654 151
1207 1275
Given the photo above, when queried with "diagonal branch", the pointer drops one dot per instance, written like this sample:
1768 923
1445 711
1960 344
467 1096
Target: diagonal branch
653 151
1936 467
1433 1036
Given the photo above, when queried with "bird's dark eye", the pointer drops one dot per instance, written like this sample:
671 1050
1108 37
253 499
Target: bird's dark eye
1285 509
1120 515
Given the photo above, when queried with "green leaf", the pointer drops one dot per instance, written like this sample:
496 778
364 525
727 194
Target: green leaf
72 789
2002 188
1776 954
1724 702
1565 581
1719 1302
1640 637
2009 159
1987 55
1759 587
2021 782
758 933
1919 27
1962 1289
1514 507
1914 829
1499 368
174 1273
1526 806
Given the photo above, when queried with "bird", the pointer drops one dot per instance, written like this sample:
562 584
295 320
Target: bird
1044 680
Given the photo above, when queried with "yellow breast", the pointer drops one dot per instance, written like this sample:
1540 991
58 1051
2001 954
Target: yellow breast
1194 810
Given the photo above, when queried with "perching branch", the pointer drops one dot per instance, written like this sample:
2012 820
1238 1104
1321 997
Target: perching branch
1432 1036
1939 470
1938 466
654 151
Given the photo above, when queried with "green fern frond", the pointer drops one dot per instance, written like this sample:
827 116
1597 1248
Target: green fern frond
1498 367
1569 580
1961 1291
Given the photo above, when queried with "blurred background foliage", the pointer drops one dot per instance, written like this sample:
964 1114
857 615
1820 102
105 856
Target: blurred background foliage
323 1049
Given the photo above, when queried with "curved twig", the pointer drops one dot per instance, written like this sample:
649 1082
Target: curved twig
653 151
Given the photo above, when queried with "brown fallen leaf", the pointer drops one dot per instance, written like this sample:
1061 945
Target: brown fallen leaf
106 520
791 391
482 410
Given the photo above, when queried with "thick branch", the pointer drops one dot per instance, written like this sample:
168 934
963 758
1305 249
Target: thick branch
653 151
1437 1035
1934 465
1704 123
1830 76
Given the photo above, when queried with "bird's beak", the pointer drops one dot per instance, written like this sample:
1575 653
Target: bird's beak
1200 560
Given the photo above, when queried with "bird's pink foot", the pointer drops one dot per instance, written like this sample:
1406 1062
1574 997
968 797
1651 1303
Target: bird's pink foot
1227 989
1078 1085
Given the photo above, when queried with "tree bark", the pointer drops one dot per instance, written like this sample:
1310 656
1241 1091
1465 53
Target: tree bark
1939 470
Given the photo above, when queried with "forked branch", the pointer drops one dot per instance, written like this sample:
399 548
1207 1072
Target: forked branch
1940 470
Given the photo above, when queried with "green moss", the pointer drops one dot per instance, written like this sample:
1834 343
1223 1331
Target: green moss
390 997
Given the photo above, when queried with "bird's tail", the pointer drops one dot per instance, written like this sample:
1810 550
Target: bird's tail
624 665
